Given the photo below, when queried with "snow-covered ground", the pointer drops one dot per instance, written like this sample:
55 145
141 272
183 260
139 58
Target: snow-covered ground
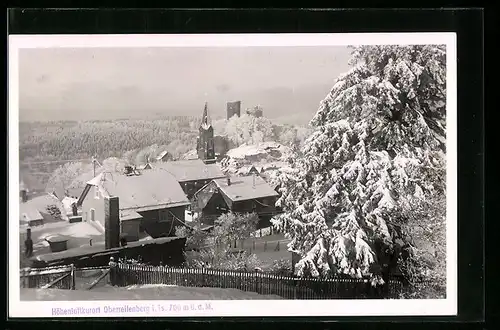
272 149
145 292
78 234
270 157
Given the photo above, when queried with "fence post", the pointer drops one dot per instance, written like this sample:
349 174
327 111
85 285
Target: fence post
73 277
23 277
112 271
294 289
265 246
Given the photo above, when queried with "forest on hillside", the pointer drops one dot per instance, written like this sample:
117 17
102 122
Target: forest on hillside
48 146
76 140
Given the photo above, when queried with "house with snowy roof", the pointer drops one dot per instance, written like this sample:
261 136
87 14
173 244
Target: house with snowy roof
164 156
146 166
247 170
239 194
30 215
41 209
152 202
192 174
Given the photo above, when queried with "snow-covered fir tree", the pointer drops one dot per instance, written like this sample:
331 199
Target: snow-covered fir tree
377 154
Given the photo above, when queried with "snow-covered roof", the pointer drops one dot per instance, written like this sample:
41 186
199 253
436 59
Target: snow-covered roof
150 189
29 213
161 155
247 169
144 166
192 170
73 192
129 215
99 248
95 181
57 238
31 210
79 229
243 188
190 155
68 203
272 149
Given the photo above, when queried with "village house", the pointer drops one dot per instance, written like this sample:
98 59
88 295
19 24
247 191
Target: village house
146 166
151 202
30 215
164 156
192 174
41 209
245 194
247 170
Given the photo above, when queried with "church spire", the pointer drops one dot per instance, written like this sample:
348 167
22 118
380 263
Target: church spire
205 120
205 144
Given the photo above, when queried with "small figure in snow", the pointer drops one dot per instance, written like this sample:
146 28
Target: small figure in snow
112 271
28 244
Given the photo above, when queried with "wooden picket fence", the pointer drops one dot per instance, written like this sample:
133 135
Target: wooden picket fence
64 277
262 283
51 277
122 274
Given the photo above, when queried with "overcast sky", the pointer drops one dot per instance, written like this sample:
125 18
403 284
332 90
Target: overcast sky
106 83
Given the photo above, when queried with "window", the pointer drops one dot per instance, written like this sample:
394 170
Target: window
92 214
164 216
96 193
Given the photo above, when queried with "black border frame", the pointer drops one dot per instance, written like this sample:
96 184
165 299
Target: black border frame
468 24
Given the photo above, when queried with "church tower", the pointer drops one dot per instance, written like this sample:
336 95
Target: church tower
205 145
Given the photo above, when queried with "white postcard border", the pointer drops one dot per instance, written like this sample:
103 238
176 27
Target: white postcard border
258 308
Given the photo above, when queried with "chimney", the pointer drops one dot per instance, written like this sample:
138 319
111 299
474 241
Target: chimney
24 195
28 233
74 208
111 222
253 180
228 180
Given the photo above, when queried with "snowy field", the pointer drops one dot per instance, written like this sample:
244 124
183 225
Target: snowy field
144 292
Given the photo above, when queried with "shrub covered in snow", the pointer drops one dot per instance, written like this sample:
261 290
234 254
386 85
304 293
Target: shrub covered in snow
282 267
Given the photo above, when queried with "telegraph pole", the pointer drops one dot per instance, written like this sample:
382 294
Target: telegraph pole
94 163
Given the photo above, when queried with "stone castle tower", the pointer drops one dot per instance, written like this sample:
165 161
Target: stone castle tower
205 144
233 108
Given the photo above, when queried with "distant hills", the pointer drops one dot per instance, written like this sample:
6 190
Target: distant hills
284 104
